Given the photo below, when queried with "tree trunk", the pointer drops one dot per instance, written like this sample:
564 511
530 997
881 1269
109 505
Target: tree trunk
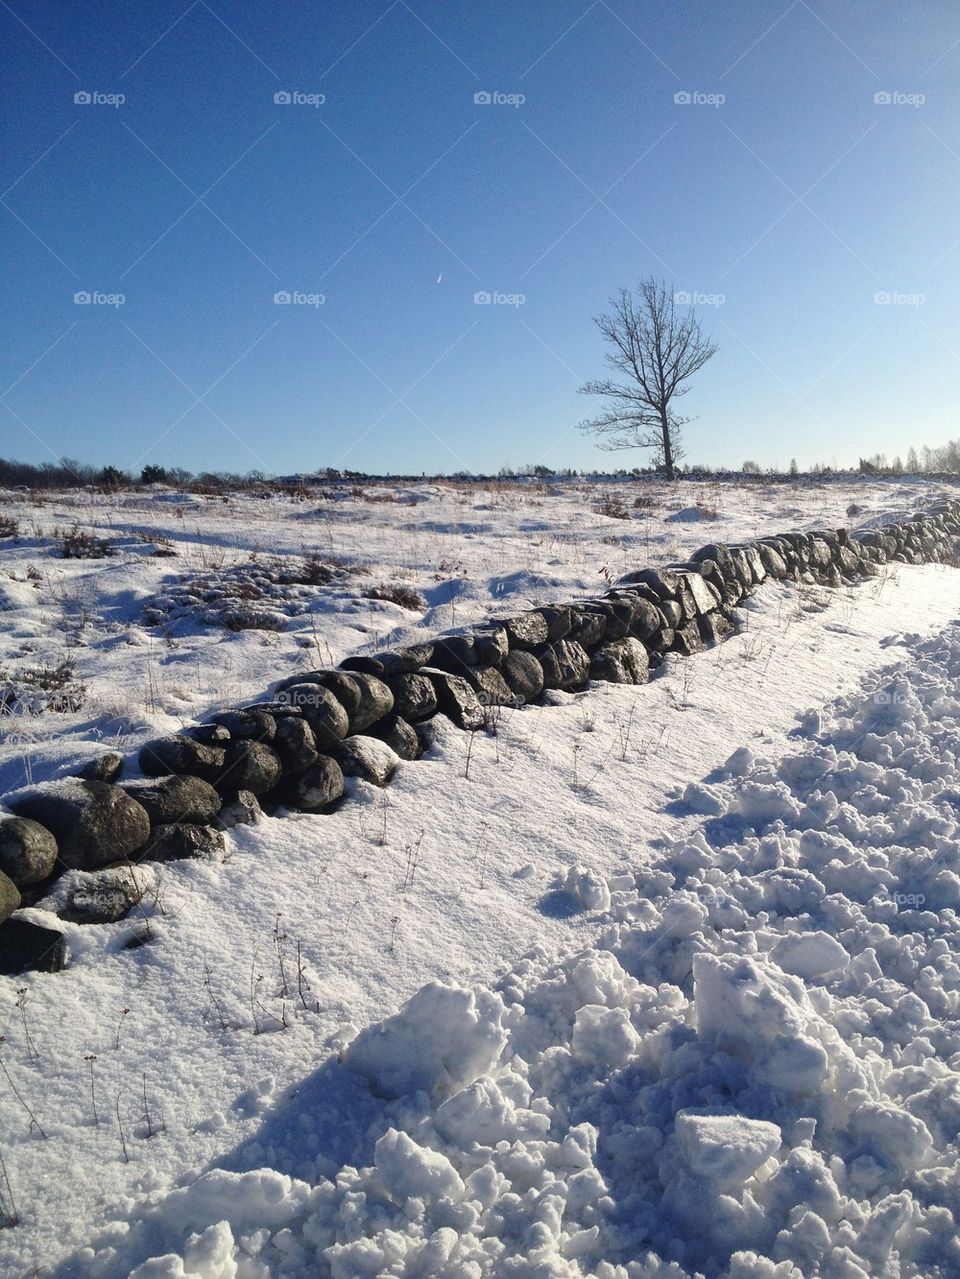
667 449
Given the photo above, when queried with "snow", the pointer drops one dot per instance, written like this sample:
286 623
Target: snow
666 986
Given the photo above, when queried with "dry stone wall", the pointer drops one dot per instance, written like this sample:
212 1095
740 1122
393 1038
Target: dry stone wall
82 847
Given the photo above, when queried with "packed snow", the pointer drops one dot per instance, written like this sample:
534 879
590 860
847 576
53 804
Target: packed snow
659 981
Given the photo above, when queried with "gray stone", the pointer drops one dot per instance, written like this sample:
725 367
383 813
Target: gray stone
317 788
295 744
180 754
400 736
251 766
398 662
617 615
322 710
104 768
663 640
9 897
772 560
717 552
646 618
559 619
29 947
243 809
454 652
672 612
663 582
566 664
207 735
93 823
714 627
413 696
456 699
526 630
523 675
622 661
491 645
28 851
589 628
376 700
368 758
175 798
184 840
687 640
491 688
704 599
251 722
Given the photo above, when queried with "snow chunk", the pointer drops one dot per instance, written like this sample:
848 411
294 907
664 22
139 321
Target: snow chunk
725 1149
603 1035
409 1171
588 887
810 955
442 1039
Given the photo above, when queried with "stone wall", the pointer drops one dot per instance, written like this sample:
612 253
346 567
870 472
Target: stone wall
83 846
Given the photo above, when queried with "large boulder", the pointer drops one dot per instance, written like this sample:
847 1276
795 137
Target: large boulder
249 765
398 662
414 696
93 823
29 947
322 710
376 700
9 897
400 736
704 599
175 798
527 630
490 686
250 722
294 743
523 675
180 754
28 852
456 699
623 661
566 664
367 758
589 628
318 787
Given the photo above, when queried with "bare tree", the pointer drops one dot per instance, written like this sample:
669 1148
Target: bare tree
657 349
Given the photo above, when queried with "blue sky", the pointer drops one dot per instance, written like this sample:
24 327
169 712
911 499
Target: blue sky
783 195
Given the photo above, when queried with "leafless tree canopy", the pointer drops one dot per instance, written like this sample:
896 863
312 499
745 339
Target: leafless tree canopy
656 348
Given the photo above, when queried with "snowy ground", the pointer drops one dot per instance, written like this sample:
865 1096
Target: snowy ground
453 877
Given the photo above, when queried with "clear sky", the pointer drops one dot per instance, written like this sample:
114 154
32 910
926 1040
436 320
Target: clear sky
783 195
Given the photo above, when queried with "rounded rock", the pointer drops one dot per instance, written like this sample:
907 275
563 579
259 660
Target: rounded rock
28 851
93 823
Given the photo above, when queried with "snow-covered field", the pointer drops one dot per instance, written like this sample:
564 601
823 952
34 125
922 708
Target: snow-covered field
723 1008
